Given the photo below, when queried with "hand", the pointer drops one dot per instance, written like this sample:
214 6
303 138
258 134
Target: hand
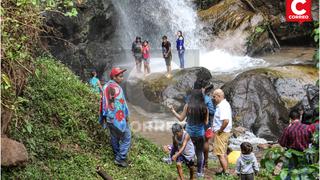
174 157
171 108
219 132
127 119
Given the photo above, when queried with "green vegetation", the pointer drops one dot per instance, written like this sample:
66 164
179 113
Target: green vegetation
307 162
57 121
316 35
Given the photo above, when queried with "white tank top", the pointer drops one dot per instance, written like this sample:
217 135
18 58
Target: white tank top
188 151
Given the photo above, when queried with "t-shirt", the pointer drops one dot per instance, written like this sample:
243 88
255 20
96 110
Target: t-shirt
223 111
136 48
145 52
165 49
94 84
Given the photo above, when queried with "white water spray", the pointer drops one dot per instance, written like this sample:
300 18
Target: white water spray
153 19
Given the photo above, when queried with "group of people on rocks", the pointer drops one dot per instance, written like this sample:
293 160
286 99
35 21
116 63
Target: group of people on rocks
141 53
207 116
203 118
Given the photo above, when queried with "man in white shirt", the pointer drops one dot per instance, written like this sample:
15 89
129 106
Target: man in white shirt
222 125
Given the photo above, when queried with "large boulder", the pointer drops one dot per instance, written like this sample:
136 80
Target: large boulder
13 153
260 98
157 90
84 42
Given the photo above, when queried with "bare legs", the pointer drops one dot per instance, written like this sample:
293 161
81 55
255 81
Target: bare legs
180 171
223 162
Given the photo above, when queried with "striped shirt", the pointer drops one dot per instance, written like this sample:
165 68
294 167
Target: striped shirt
297 136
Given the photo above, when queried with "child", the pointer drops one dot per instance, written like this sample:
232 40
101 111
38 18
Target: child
146 57
183 150
247 164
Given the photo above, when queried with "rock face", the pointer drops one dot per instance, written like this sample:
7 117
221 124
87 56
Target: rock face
13 153
311 99
86 41
157 90
260 98
253 26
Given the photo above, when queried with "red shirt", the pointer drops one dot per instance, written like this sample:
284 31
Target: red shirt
297 136
146 52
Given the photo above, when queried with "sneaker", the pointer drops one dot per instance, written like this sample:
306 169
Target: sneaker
121 163
200 175
167 160
222 174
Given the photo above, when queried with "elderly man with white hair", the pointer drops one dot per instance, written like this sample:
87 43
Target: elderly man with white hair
222 125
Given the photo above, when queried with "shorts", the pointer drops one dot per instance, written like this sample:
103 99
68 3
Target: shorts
168 61
146 61
138 57
221 143
183 159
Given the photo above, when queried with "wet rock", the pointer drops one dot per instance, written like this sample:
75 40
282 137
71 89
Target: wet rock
84 42
157 90
234 143
260 98
238 131
13 153
264 146
294 83
310 100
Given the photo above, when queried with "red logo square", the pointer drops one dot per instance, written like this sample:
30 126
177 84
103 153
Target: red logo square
298 11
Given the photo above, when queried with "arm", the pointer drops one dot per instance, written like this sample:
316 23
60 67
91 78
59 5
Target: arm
223 126
210 105
185 141
207 118
238 166
255 165
181 116
100 87
168 51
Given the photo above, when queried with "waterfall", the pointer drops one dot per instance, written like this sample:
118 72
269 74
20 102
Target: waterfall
151 19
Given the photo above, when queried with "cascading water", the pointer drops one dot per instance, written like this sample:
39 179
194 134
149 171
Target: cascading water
153 19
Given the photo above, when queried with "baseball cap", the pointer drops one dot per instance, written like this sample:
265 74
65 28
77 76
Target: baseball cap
116 71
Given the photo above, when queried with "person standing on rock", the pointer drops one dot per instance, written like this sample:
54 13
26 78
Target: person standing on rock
146 57
197 115
180 48
206 90
222 125
114 114
167 55
136 49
